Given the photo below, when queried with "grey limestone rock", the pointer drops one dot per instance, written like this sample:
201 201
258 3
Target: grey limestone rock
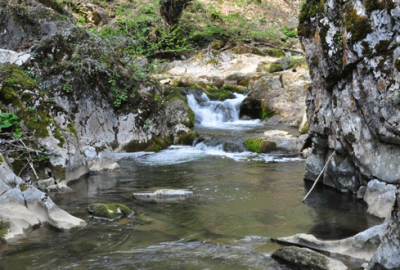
380 198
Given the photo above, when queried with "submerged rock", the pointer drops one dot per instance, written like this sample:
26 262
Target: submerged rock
109 210
305 258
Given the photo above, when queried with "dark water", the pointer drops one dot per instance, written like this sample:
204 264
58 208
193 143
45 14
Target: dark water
240 202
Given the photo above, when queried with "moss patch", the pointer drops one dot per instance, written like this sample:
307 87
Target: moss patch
109 211
357 25
4 227
266 112
153 145
60 137
59 172
350 137
275 67
188 138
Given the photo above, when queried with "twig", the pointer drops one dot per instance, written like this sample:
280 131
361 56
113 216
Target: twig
29 161
23 169
315 182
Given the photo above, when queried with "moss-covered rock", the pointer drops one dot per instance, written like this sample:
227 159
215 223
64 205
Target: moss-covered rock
188 138
259 145
109 211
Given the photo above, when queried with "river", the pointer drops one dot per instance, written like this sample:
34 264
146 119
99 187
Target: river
240 201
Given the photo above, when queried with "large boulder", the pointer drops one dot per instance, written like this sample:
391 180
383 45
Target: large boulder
278 98
361 246
306 259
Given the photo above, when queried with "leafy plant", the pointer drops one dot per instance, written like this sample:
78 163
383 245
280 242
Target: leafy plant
289 33
10 120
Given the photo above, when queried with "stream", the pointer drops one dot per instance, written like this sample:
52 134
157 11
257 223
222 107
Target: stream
241 200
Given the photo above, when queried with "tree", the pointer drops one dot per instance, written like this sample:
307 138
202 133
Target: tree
171 10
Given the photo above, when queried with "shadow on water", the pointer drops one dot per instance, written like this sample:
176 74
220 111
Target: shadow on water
337 215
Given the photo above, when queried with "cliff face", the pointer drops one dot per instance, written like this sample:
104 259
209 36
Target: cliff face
353 103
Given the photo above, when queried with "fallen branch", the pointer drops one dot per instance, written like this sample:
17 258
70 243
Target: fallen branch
315 182
30 161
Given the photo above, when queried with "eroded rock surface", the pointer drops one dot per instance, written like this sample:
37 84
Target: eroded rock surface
352 49
352 105
23 206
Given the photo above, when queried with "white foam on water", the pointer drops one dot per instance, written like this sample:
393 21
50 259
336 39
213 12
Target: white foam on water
182 154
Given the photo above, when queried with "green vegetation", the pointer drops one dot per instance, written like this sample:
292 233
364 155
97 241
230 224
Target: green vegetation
397 64
4 227
10 121
143 23
266 112
288 32
275 67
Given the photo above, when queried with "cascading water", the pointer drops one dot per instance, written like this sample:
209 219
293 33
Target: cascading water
216 113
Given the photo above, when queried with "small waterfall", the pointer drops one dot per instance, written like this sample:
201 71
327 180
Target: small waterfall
213 113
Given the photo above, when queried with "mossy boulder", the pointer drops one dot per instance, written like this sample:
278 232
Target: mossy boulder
109 210
306 259
259 145
188 138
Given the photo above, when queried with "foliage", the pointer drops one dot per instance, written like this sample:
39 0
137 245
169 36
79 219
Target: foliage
289 33
10 120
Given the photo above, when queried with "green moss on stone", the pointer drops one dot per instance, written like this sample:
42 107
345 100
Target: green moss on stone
275 67
59 172
350 137
4 227
266 112
357 25
274 52
23 187
191 118
71 128
109 211
188 138
397 64
60 137
155 145
382 48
